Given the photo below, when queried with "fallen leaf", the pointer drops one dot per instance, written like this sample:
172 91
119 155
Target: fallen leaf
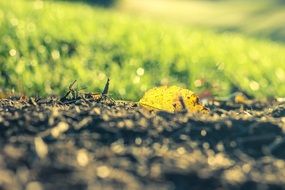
169 98
241 99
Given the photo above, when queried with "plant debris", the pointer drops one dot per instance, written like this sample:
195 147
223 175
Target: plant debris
104 144
172 99
106 88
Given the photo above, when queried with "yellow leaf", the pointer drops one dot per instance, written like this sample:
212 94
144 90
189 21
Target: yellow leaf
169 99
241 99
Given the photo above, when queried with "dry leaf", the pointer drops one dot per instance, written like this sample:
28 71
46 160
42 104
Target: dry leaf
167 98
241 99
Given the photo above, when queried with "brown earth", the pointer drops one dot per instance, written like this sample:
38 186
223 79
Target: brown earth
104 144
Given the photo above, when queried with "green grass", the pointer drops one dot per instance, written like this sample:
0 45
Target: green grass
257 18
44 47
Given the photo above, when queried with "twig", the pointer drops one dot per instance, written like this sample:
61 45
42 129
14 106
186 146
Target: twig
182 103
106 88
71 85
70 89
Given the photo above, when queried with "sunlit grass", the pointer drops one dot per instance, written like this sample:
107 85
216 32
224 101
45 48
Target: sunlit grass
258 18
46 46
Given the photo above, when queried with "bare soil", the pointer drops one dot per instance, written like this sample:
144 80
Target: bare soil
105 144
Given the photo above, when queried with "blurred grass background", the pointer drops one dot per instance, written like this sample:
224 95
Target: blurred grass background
256 18
215 46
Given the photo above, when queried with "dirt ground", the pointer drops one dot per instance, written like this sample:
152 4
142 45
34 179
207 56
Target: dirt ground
104 144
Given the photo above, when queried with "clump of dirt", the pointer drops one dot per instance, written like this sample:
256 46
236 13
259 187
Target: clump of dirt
99 143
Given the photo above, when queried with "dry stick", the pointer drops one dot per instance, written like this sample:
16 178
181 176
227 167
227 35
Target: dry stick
182 103
106 88
69 90
71 85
